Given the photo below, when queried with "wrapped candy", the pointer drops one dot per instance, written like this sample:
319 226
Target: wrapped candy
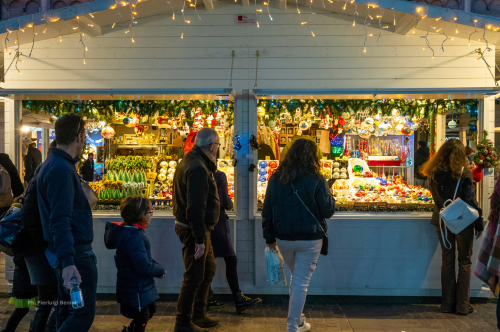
262 171
263 164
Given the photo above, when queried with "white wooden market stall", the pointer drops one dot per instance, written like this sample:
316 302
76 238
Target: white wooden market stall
371 254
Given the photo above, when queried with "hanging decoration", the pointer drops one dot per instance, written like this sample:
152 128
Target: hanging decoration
253 143
336 108
237 142
337 143
432 129
106 109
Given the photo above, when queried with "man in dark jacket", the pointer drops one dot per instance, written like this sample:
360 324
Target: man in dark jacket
67 224
421 156
16 185
31 161
87 170
196 210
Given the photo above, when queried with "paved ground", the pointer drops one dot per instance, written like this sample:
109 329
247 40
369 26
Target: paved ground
323 317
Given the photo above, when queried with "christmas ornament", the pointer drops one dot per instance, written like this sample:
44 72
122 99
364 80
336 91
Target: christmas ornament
358 168
253 142
452 124
108 132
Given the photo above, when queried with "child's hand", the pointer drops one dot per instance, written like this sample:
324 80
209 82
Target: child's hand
164 275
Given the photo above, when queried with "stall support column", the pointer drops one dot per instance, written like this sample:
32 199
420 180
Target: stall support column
45 142
13 134
440 130
486 121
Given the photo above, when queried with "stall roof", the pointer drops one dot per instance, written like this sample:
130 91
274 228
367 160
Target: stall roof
441 93
118 94
90 17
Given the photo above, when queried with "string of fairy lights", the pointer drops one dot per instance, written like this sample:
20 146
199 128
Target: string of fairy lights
371 15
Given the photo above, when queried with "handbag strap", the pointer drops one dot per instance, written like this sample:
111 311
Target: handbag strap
445 235
458 183
300 199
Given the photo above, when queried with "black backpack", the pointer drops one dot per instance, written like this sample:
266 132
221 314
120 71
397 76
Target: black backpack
30 217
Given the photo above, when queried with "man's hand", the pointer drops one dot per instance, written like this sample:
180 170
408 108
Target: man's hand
164 275
478 234
69 272
199 250
272 246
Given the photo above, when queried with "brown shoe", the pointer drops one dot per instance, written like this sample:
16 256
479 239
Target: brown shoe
188 328
205 321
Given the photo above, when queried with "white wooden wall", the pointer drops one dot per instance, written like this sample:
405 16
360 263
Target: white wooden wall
290 57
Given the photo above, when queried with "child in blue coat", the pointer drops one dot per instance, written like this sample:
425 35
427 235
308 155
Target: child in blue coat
135 285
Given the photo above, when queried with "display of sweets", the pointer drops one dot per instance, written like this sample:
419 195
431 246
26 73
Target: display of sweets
372 190
326 168
266 168
226 167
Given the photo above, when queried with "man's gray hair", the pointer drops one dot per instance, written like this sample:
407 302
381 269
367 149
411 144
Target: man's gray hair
205 137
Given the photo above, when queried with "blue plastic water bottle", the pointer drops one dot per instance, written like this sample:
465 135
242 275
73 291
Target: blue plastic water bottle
76 294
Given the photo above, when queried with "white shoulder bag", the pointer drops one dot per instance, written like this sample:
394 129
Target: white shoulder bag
456 215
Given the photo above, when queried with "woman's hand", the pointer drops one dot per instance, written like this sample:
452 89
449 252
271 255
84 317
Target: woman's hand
272 246
164 275
478 234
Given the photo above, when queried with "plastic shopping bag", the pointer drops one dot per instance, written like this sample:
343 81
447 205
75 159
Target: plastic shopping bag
275 267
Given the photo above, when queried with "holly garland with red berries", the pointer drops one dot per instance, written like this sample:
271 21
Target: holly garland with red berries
104 110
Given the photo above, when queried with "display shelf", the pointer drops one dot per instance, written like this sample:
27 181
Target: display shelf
141 145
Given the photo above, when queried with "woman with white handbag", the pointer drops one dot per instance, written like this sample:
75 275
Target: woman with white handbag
457 217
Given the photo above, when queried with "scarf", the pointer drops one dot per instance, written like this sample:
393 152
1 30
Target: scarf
122 223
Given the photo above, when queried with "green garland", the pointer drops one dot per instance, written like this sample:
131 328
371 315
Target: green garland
105 109
420 108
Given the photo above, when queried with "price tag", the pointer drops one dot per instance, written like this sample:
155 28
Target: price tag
324 158
337 158
227 158
268 158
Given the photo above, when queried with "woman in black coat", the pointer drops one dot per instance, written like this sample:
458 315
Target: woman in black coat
135 285
444 170
297 202
223 247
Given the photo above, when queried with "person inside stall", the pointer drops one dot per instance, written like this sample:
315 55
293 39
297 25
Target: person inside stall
304 134
87 170
223 247
421 156
31 161
265 150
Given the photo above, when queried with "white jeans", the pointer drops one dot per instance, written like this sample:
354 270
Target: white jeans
301 257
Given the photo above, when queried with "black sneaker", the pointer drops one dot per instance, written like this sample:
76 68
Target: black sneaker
243 302
212 302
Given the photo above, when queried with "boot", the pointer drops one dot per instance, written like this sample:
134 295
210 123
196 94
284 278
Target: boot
205 321
39 320
51 321
212 302
243 303
189 327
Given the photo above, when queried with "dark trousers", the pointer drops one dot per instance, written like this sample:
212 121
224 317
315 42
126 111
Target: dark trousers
456 291
78 320
198 275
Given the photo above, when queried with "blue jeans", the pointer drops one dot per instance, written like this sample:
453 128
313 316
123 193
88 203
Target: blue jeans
78 320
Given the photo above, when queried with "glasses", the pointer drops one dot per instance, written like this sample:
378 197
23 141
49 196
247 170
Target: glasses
218 144
150 212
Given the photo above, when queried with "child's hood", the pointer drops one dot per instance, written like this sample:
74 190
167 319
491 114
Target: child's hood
116 233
